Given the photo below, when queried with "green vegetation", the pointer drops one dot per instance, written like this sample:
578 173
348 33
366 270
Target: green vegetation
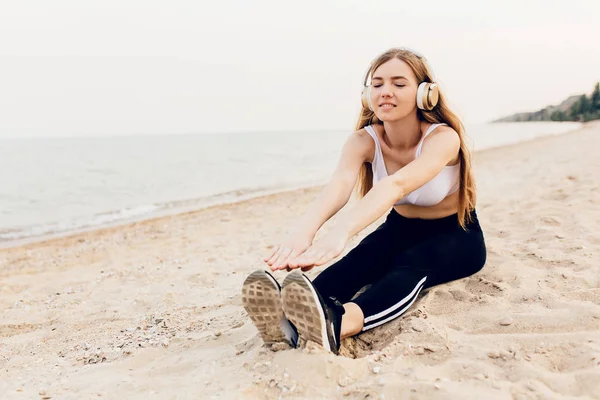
580 108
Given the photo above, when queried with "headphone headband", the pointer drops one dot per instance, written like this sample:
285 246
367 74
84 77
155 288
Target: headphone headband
425 61
418 55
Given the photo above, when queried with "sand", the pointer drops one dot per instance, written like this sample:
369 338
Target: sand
153 309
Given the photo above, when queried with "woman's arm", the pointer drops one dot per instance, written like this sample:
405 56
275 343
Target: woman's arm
337 192
359 147
438 150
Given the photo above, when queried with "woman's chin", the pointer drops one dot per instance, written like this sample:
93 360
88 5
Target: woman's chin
391 116
388 118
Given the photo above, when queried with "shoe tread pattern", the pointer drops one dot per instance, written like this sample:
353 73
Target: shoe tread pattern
262 301
302 309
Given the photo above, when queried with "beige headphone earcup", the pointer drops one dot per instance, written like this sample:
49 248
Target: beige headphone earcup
427 96
421 93
433 96
365 98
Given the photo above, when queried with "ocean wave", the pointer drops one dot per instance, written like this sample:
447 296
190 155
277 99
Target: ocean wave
93 221
131 214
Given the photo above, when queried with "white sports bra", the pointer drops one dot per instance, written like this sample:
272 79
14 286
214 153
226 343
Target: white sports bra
432 192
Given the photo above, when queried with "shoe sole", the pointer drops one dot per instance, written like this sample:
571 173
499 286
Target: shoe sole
302 307
261 299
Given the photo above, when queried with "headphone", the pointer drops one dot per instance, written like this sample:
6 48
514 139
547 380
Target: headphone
428 93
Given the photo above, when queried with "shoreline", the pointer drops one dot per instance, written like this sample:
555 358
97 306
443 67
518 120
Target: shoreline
152 216
166 213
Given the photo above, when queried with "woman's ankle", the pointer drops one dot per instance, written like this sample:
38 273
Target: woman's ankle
352 321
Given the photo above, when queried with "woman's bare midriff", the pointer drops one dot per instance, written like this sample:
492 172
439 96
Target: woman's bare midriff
447 207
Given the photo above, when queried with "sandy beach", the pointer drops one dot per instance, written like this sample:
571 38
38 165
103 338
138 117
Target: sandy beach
153 309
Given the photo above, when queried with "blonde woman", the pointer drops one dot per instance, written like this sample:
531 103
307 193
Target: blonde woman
408 153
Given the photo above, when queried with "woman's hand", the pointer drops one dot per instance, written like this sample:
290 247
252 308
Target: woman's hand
290 248
321 252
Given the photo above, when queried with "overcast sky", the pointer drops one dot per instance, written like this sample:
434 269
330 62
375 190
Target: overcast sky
141 66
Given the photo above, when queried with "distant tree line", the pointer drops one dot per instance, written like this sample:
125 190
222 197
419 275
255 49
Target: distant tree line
586 108
575 108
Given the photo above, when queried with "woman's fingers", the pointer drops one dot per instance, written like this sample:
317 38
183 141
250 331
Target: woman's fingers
321 256
273 261
271 254
292 260
280 262
305 259
272 257
280 256
288 261
300 259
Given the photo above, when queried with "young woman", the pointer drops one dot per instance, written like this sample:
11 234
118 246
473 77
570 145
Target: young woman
408 154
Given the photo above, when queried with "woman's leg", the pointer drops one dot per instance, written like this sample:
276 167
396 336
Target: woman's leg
365 264
423 253
352 321
387 299
315 307
440 257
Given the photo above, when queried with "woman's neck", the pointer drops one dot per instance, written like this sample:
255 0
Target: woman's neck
404 133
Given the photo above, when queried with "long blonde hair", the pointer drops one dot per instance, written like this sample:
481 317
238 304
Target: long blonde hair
440 114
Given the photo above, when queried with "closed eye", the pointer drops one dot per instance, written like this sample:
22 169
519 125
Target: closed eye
397 85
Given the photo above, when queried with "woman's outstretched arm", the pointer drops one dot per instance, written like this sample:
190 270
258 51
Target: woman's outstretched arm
438 151
359 147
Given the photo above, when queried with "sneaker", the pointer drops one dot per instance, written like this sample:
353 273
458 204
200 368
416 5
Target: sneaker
261 298
316 318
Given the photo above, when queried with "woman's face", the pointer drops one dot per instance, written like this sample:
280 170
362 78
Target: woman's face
394 90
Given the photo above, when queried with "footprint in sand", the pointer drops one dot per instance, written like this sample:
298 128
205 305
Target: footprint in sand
479 286
461 295
557 195
552 221
442 301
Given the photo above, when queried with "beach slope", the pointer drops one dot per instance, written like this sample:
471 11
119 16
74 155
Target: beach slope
153 309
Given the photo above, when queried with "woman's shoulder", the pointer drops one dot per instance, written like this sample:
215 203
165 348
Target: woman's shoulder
437 129
362 135
361 142
441 138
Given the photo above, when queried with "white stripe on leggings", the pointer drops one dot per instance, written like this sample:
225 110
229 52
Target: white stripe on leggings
397 305
367 327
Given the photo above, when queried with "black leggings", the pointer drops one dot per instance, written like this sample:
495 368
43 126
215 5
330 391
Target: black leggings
399 259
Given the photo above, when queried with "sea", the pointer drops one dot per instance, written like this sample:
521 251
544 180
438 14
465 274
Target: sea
53 186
